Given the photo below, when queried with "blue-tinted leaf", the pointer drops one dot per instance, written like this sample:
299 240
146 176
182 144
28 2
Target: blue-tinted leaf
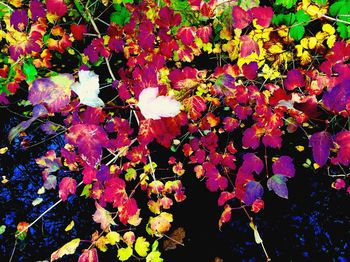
277 183
254 190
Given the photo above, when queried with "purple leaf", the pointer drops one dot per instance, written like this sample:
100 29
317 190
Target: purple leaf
252 163
321 143
284 166
277 183
338 97
254 190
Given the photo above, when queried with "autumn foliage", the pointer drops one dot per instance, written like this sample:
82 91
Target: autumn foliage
271 73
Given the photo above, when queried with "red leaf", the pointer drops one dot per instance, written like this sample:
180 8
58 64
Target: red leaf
78 31
89 139
204 33
167 18
257 205
225 196
128 210
241 18
186 34
248 46
67 186
89 174
115 191
263 15
321 144
195 105
57 7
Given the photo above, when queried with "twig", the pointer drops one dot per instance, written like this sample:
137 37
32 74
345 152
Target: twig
13 250
9 7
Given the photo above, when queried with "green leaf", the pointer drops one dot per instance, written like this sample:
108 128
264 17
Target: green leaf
344 31
86 190
2 229
121 15
302 17
155 245
335 7
130 174
22 236
286 3
30 71
320 2
297 32
124 253
287 19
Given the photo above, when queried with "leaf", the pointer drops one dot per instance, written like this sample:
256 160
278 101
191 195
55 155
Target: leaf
225 215
337 99
175 238
286 3
86 190
89 139
88 89
70 226
343 154
195 105
68 249
154 256
302 17
2 229
253 191
30 71
103 217
297 32
3 150
155 107
277 183
284 166
124 253
113 237
241 18
121 16
67 186
321 144
294 79
141 246
263 15
54 92
257 237
37 201
284 19
89 255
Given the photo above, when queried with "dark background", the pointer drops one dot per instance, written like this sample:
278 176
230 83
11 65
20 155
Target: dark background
313 225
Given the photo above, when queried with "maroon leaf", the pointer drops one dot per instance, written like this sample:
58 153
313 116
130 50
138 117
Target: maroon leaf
294 79
67 186
338 97
250 71
321 144
89 139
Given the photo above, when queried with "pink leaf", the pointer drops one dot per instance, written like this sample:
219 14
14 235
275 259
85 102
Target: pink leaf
241 18
343 155
321 144
57 7
186 34
67 186
294 79
89 255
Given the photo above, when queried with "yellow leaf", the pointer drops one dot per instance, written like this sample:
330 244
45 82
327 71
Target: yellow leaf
331 40
316 166
300 148
124 253
67 249
113 237
3 150
328 29
154 256
141 246
101 243
70 226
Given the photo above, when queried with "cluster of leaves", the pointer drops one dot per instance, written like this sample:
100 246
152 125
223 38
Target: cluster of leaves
270 72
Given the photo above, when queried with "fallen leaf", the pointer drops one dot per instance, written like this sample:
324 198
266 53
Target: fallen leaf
70 226
67 249
175 238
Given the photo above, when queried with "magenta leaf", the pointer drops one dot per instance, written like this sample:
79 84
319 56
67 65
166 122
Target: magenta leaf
252 163
277 183
89 139
284 166
67 186
250 71
343 155
186 34
253 191
294 79
263 15
248 46
241 18
321 144
338 97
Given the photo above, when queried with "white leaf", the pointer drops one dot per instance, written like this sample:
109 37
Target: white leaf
37 201
153 107
88 89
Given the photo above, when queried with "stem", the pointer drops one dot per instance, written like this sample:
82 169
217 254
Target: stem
13 250
9 7
42 214
174 240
